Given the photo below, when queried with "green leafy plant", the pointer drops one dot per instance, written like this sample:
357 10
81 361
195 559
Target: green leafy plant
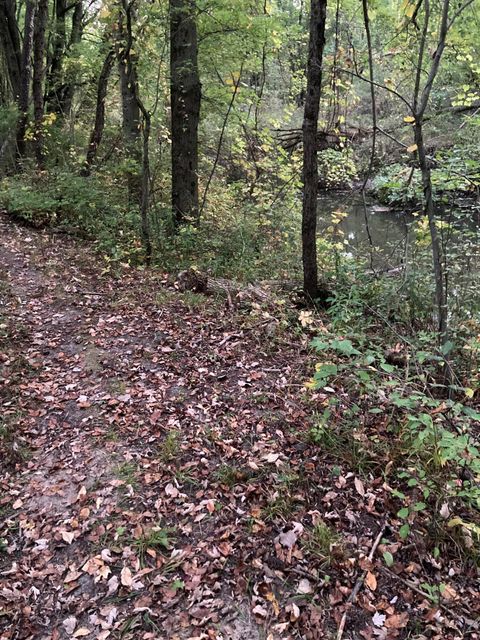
156 538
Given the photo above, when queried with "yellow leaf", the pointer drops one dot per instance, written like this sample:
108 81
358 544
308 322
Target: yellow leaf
408 8
469 392
271 598
409 119
412 148
454 522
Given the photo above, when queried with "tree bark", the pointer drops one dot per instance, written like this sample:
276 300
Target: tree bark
68 89
98 127
38 78
24 93
437 252
54 80
10 41
133 107
145 197
127 66
185 96
318 12
420 103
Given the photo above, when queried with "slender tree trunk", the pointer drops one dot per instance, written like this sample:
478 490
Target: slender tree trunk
54 79
420 103
127 66
145 200
185 96
38 78
437 252
98 127
132 108
10 42
24 94
68 89
318 10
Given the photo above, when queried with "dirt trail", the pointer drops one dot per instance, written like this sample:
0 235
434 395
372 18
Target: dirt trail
123 402
157 480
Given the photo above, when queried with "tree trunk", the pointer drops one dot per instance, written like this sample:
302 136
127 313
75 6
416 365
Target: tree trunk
38 78
145 199
10 41
97 131
68 89
24 93
437 252
127 66
54 80
420 103
318 11
132 108
185 96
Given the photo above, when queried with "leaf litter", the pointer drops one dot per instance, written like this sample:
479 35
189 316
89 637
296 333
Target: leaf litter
158 480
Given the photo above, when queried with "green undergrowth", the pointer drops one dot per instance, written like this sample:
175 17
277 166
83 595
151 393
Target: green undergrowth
455 171
240 236
388 410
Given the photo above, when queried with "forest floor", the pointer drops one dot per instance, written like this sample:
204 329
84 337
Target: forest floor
158 480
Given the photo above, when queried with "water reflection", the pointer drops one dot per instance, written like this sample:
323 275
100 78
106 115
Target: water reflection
385 239
377 231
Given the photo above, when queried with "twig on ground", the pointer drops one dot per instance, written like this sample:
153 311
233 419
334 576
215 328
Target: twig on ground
411 585
359 583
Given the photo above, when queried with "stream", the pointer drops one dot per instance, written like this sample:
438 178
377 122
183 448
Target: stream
385 240
379 231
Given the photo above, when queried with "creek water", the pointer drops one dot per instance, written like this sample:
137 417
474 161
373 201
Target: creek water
385 240
375 232
386 235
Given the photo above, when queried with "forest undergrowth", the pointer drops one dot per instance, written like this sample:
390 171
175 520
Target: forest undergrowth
168 470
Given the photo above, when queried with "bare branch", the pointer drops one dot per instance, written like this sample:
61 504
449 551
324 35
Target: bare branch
381 86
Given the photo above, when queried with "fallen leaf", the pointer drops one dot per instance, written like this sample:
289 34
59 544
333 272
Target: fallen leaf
69 624
378 619
371 581
68 536
171 490
126 577
304 586
359 487
272 457
260 611
293 610
397 621
112 585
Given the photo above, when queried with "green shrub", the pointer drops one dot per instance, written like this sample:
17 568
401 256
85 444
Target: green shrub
92 207
336 169
456 170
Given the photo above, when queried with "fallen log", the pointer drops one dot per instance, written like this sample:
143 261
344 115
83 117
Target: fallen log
232 290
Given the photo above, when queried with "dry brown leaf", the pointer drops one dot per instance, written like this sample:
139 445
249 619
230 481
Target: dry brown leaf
69 624
126 577
371 581
397 621
68 536
304 586
359 487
